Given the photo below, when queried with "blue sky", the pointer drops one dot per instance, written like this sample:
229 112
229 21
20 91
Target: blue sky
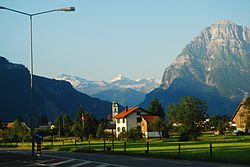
104 38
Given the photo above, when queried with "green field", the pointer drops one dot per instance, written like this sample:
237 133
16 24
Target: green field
226 148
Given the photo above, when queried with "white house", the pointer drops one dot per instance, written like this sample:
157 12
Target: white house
129 118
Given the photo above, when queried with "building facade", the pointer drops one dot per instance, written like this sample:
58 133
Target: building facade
145 127
240 117
129 118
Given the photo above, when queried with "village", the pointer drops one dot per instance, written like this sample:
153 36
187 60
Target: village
136 130
149 124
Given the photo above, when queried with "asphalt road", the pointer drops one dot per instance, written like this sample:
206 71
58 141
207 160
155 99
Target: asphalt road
19 158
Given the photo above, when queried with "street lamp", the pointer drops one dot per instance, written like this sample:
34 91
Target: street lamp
66 9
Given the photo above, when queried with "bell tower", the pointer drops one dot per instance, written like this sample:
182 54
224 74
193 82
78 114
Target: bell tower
114 109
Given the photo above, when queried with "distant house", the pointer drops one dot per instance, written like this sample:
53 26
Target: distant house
239 118
10 125
45 125
129 118
145 127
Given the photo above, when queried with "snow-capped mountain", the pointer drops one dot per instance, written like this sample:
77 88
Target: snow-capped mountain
85 86
140 85
93 87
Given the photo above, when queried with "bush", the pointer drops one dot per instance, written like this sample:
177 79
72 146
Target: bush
133 134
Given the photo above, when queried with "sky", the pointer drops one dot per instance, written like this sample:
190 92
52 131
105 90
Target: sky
105 38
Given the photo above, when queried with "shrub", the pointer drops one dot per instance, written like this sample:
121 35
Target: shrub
133 134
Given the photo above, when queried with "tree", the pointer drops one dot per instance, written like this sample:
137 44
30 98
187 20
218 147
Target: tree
43 120
59 125
218 122
77 128
215 122
90 125
100 130
189 115
67 123
85 124
155 108
16 133
158 125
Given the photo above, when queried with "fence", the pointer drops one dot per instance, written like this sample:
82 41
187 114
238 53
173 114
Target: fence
112 145
225 151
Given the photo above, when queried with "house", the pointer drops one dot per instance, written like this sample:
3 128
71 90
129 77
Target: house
45 125
145 127
129 118
10 125
239 118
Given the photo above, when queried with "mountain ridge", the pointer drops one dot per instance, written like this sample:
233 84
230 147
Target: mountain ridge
51 97
143 85
128 92
218 57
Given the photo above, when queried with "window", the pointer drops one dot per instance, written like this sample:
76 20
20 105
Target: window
123 129
138 113
118 129
123 120
138 119
118 121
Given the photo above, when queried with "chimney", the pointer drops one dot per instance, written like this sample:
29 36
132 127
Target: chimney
126 108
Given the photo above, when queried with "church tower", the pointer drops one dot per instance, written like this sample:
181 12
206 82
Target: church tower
114 109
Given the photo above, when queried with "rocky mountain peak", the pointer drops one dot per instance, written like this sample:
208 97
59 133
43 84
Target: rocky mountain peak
221 52
224 22
224 32
214 66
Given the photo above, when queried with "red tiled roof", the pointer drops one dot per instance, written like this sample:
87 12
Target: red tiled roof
149 118
10 125
124 113
244 101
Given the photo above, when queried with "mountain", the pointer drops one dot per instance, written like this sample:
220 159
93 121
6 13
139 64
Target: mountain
51 97
127 92
125 96
85 86
141 85
214 66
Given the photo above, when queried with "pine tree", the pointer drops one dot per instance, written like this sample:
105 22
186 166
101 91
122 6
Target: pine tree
156 109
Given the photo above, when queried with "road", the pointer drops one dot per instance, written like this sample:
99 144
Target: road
19 158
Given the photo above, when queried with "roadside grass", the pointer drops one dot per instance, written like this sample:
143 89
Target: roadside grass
225 148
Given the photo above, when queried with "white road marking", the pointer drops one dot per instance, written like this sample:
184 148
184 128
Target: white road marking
61 162
80 164
43 163
180 162
72 159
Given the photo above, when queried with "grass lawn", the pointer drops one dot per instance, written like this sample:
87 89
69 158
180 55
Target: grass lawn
226 148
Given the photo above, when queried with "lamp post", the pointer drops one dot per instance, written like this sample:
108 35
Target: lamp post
66 9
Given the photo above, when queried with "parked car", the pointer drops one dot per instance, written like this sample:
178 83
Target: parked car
237 132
